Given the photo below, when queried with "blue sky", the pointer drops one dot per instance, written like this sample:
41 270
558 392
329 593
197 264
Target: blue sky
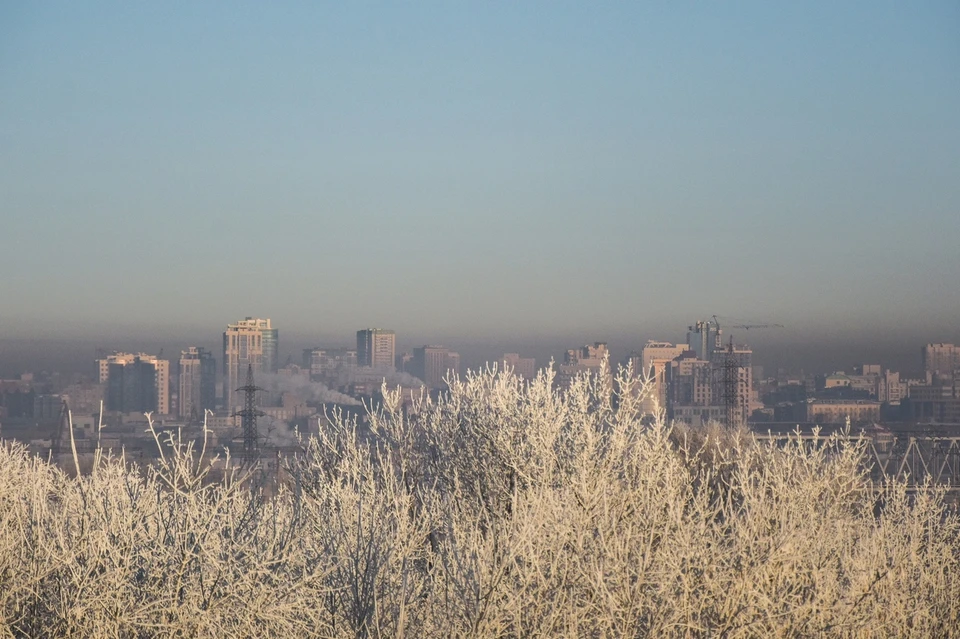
486 169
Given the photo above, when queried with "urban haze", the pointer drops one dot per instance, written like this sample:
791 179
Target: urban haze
480 319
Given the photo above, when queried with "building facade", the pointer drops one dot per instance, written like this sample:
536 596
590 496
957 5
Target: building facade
837 411
376 348
891 390
936 404
690 382
249 342
433 363
586 359
655 360
703 338
940 359
136 383
324 363
197 383
523 367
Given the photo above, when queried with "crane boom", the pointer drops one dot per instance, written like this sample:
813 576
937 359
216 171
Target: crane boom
746 325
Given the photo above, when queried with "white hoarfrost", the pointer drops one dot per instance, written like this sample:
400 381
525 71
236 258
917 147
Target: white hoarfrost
504 509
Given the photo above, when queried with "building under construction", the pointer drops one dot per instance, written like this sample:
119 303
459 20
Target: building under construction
712 380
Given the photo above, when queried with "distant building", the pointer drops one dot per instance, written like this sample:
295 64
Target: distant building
739 357
404 363
16 398
376 348
587 359
940 359
83 398
249 342
655 360
936 403
46 408
136 383
198 383
703 338
696 415
690 382
837 411
325 363
432 364
523 367
890 389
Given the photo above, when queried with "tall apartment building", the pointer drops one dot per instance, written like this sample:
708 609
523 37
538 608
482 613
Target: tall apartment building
690 382
940 359
433 363
198 382
249 342
654 361
136 383
703 338
741 358
523 367
377 348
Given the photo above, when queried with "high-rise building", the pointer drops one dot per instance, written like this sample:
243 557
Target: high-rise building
654 362
433 363
249 342
737 361
198 382
271 345
377 348
690 382
941 359
136 383
703 338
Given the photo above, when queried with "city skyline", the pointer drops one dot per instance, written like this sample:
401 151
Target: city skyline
773 349
480 171
708 376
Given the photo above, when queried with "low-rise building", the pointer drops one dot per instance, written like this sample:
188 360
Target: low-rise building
837 411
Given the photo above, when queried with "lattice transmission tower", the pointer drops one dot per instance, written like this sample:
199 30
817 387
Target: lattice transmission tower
248 417
733 397
732 402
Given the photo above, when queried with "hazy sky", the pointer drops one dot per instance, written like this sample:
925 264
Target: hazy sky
490 168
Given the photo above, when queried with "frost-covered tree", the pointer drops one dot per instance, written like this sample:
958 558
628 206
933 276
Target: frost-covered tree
503 509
